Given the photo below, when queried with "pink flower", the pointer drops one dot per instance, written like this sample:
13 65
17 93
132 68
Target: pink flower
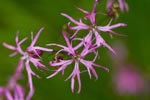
31 54
94 28
75 58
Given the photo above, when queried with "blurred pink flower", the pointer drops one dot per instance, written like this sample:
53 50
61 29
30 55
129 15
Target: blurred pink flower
13 90
126 77
123 5
128 80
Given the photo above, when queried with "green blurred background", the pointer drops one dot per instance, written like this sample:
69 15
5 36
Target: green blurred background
30 15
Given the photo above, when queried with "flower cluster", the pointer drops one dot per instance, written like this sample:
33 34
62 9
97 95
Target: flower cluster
75 52
89 44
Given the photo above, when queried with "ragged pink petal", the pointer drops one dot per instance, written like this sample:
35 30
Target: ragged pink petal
71 19
37 63
88 65
8 95
72 84
9 46
73 75
42 49
86 41
36 37
29 72
101 42
62 65
80 24
61 46
22 41
69 44
108 28
59 63
82 10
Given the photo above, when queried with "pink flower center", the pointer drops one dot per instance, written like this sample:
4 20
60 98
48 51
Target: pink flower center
35 54
93 27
